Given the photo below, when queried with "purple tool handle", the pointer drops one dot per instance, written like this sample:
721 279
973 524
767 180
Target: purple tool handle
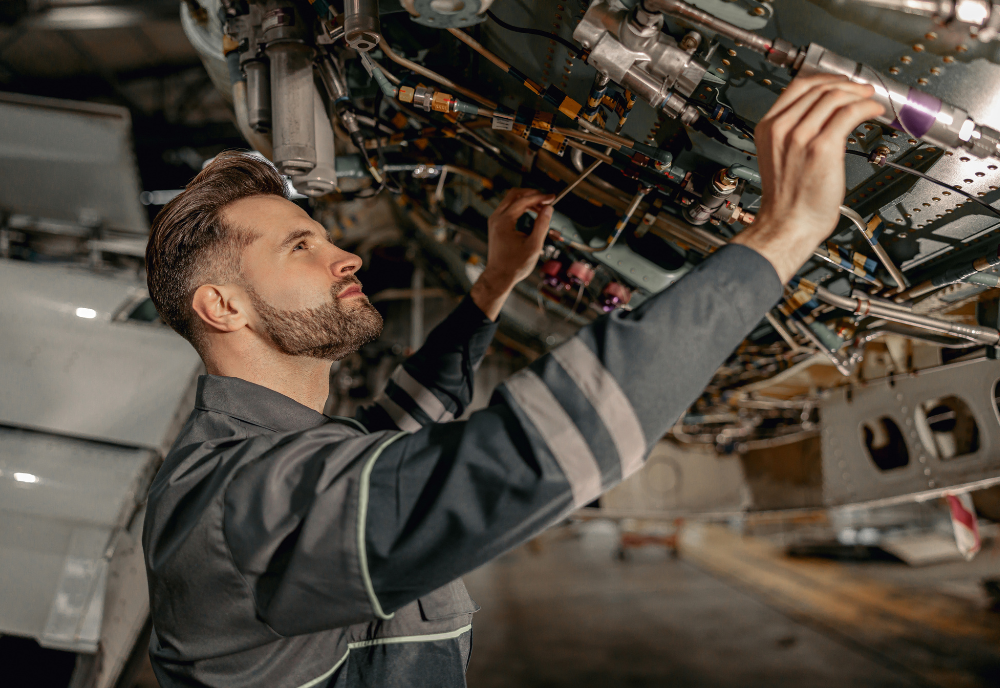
917 116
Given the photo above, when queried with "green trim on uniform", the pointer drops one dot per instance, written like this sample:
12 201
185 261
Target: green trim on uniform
362 522
329 673
353 422
429 638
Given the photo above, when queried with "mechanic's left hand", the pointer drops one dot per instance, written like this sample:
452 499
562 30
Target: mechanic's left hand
512 255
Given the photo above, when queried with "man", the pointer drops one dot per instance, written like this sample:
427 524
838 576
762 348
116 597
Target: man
288 549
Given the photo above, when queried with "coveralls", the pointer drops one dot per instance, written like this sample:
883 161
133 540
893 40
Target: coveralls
288 549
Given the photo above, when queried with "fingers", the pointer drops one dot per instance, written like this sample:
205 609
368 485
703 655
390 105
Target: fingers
780 122
800 87
515 195
821 112
847 118
527 201
541 228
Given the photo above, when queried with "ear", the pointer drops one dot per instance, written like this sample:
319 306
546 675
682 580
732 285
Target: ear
220 308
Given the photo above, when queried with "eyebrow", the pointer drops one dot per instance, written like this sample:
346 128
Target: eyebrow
294 236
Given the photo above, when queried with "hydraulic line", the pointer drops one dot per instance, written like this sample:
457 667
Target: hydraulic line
627 215
683 10
535 32
782 331
597 91
619 226
915 112
853 262
336 88
879 159
871 233
533 86
915 334
988 280
565 105
576 182
841 364
959 274
864 307
433 76
601 157
618 143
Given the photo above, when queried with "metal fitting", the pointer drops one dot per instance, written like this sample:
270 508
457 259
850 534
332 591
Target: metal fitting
690 42
879 155
362 29
423 97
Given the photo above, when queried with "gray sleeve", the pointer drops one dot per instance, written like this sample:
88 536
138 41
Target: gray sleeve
290 522
452 496
434 385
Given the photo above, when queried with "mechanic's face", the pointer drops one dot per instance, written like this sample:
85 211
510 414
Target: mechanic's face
305 296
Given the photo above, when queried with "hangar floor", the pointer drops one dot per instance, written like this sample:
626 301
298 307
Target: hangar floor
731 611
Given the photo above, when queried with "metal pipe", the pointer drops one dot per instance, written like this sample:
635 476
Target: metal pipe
782 332
864 307
531 85
583 175
629 212
362 29
434 76
915 334
589 151
959 274
682 10
839 362
917 113
886 261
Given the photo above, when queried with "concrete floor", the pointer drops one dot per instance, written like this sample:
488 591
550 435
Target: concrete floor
567 613
563 611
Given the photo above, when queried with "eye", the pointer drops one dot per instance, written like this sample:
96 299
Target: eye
299 245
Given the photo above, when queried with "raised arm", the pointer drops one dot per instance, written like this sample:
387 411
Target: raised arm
582 418
373 523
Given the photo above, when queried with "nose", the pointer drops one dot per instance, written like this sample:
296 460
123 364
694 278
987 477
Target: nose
344 263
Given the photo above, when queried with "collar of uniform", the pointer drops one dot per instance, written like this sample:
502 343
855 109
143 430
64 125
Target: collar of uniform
254 404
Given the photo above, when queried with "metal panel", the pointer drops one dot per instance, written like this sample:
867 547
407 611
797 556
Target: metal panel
62 501
70 161
850 475
77 371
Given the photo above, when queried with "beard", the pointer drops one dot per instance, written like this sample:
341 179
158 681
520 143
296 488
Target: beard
329 332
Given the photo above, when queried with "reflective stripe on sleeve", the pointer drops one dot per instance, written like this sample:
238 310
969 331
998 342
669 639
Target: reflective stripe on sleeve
563 438
606 396
424 398
364 487
402 419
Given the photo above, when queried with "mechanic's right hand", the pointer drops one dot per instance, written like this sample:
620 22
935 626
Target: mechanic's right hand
800 151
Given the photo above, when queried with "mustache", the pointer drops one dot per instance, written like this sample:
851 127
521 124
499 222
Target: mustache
339 286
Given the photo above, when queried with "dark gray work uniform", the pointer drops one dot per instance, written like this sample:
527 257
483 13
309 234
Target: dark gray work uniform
287 549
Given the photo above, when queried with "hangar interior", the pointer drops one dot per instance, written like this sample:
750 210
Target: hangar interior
825 513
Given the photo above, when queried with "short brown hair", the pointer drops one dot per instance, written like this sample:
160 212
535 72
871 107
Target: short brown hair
191 245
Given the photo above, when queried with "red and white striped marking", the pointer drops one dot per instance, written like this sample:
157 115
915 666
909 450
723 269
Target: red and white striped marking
963 520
